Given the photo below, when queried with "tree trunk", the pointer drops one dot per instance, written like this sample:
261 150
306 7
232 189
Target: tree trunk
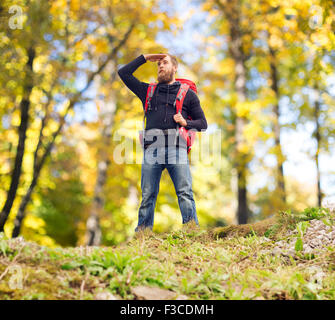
38 165
93 230
242 208
24 108
232 13
21 212
276 128
318 141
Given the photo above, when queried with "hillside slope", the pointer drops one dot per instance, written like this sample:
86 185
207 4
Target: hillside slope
290 256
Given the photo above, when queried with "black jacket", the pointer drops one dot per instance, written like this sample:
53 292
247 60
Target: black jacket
161 115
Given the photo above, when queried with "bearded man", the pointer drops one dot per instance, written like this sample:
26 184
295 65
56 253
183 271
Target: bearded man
162 119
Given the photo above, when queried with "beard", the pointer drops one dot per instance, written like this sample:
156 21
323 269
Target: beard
165 76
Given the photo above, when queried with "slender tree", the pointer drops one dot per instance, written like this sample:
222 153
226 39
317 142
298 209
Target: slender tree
232 13
108 110
22 133
276 125
317 135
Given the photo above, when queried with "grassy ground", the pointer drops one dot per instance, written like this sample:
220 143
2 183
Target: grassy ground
234 262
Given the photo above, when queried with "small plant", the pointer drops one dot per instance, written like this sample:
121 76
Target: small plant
188 286
106 264
289 219
272 231
4 248
174 239
301 227
34 296
314 213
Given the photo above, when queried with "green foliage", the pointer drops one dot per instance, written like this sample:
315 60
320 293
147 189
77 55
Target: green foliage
4 248
197 266
292 218
270 232
105 264
35 296
301 227
298 245
314 213
62 206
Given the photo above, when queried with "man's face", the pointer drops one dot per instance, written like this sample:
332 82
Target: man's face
166 70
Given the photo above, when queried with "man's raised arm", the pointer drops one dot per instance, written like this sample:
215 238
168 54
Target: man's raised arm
126 74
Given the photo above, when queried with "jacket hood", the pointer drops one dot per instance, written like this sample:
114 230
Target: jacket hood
171 88
165 90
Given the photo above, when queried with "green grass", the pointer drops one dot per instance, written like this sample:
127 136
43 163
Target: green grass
201 264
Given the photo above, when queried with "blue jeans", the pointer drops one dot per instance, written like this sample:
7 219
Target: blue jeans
176 161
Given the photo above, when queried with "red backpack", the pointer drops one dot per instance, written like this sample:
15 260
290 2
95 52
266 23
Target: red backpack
187 135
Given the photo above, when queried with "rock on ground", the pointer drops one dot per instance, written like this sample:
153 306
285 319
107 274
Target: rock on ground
151 293
318 236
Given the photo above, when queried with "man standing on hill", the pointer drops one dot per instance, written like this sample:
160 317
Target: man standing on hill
162 119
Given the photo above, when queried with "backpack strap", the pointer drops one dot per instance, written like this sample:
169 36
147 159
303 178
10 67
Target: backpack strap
150 93
178 103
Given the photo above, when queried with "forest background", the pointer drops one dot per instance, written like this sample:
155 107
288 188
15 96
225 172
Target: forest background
265 76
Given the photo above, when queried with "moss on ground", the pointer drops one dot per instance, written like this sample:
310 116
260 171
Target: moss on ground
259 228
